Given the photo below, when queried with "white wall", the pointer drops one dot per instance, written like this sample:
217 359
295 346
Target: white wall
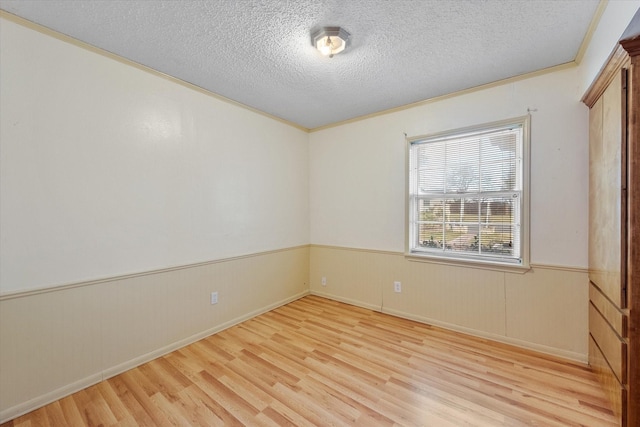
108 170
612 24
357 171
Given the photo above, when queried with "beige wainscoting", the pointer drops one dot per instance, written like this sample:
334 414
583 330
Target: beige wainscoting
60 340
535 310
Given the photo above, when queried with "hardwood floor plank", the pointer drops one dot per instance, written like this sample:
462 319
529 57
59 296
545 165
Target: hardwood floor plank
71 413
215 412
172 414
128 399
317 362
278 418
199 412
233 403
309 409
133 380
109 396
361 413
97 409
279 410
55 414
40 418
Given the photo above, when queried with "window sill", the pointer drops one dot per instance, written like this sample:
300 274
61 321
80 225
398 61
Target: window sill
468 263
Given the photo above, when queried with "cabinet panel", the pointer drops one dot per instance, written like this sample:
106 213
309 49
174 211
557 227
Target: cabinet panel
616 393
612 347
611 313
605 193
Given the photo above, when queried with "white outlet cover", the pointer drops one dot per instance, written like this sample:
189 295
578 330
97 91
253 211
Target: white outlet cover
214 297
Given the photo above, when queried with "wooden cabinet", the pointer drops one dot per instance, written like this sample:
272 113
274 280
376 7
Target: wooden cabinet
614 225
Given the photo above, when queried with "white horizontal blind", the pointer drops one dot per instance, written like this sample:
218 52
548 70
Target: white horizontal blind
465 195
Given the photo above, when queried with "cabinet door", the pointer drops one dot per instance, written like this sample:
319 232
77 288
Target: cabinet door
606 213
608 321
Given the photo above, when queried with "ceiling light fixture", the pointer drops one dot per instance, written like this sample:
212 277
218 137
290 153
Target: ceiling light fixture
330 40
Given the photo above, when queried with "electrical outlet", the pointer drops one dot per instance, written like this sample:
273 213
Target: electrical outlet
397 287
214 297
324 281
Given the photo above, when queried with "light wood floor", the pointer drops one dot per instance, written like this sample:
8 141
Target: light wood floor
320 362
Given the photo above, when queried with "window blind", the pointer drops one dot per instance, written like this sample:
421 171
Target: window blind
465 194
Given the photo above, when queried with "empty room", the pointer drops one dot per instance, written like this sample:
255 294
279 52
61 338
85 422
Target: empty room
366 212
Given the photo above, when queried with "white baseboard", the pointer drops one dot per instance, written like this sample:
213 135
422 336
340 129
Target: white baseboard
347 301
45 399
52 396
564 354
552 351
130 364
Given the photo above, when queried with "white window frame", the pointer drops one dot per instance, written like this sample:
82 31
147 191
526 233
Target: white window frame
415 251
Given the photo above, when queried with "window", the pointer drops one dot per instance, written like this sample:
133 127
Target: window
467 194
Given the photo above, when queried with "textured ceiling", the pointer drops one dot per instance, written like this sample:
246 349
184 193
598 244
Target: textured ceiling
258 52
